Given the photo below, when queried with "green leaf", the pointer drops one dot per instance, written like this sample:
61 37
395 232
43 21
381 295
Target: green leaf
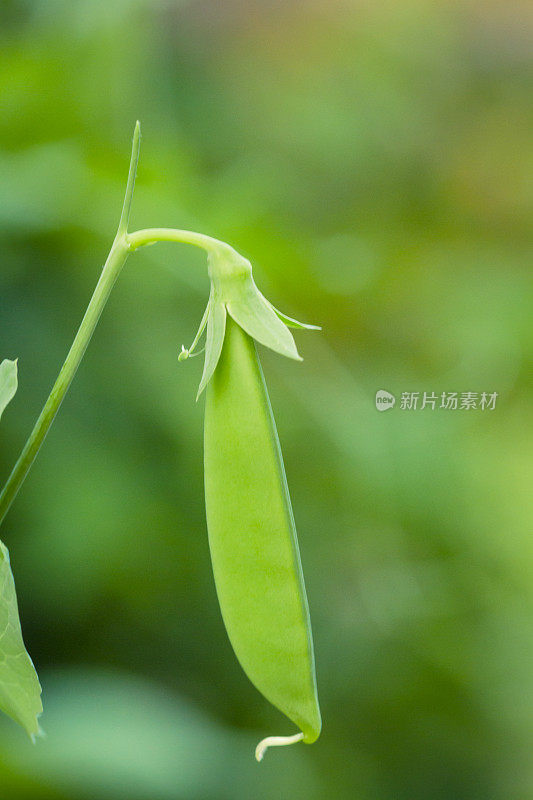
8 382
20 691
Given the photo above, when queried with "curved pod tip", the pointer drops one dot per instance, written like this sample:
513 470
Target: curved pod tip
275 741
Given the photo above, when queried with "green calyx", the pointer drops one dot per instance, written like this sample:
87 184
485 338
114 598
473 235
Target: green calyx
233 292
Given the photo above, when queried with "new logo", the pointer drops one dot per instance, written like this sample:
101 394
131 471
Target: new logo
384 400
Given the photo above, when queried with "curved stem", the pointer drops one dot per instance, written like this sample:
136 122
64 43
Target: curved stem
153 235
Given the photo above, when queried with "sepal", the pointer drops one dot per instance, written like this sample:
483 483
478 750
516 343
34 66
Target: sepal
233 292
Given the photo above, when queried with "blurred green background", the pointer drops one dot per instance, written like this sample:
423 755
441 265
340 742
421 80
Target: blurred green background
375 163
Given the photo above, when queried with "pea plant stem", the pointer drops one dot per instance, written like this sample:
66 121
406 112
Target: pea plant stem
123 244
113 265
153 235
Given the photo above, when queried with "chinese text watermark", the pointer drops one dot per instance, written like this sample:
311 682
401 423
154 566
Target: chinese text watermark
448 401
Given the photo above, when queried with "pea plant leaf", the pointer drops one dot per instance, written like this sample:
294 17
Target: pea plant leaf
8 382
20 691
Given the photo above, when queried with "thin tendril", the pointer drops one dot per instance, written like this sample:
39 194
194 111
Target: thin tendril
275 741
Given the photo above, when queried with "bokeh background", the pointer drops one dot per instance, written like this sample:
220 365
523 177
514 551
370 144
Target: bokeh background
375 162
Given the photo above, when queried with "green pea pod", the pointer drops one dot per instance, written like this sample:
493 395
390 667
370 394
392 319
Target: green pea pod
252 538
